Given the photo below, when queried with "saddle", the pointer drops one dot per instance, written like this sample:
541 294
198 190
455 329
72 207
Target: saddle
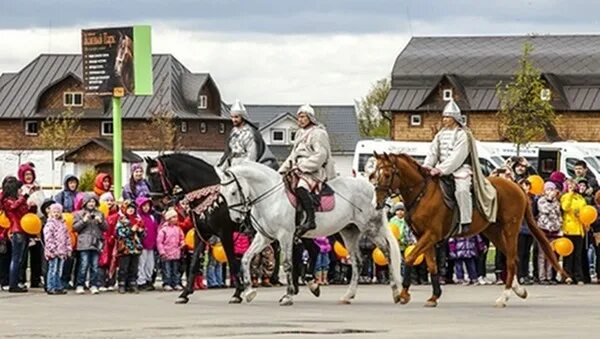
324 201
448 187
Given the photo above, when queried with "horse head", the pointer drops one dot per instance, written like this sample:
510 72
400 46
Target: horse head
232 190
395 173
124 53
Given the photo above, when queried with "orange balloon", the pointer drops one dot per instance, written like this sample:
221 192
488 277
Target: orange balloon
73 237
340 250
218 253
189 239
537 184
4 222
419 259
68 218
588 215
378 257
563 246
31 223
395 230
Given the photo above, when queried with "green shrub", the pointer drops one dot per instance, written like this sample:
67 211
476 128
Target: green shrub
86 180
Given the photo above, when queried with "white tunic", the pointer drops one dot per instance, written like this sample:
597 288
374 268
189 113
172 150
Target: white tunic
449 152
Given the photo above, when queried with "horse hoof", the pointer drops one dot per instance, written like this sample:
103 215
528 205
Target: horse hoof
286 301
430 303
404 299
397 299
344 302
500 303
250 295
315 289
235 300
521 294
182 300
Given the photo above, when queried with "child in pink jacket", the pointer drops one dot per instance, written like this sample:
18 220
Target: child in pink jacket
57 248
169 242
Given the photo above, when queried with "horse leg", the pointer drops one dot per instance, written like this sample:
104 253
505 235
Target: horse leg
494 233
430 259
286 247
258 244
313 252
389 245
297 250
192 271
423 245
351 235
234 266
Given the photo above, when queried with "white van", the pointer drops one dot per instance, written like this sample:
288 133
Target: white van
507 150
418 150
563 156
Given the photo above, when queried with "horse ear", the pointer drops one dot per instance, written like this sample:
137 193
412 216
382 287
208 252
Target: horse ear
386 156
148 160
375 155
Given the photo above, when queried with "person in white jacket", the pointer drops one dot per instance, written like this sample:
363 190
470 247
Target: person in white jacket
449 155
311 162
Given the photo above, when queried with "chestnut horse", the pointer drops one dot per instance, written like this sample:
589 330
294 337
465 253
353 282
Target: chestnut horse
431 219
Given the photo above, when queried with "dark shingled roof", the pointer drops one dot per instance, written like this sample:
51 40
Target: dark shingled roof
570 64
341 121
128 156
173 85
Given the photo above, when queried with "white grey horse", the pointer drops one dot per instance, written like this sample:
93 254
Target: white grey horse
257 191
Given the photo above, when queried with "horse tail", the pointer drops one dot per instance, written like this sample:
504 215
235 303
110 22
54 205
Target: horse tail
394 249
543 241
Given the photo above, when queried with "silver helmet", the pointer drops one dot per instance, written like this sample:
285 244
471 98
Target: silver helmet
452 110
238 109
309 111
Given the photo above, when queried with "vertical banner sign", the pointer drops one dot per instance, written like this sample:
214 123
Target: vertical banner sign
117 62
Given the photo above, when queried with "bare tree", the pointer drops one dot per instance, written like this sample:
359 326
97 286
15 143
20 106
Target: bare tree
164 127
60 132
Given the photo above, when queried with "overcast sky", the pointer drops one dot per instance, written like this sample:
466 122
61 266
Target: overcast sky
281 51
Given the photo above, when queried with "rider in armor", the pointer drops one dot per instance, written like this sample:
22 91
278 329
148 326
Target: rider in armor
449 155
310 161
245 141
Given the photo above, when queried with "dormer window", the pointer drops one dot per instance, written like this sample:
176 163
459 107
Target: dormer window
278 136
73 99
203 102
447 94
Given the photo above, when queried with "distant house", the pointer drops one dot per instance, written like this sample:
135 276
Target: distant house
277 124
52 83
432 70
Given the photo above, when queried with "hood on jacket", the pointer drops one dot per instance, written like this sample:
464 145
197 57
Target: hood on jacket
23 169
139 201
100 178
87 197
68 178
10 187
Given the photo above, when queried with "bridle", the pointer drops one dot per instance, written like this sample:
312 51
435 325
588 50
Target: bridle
244 204
389 187
161 171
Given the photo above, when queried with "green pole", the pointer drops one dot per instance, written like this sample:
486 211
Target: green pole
117 147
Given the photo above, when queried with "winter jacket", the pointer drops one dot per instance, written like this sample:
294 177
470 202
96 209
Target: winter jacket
407 237
464 248
109 237
98 186
67 197
571 204
57 240
15 209
142 189
323 243
151 222
89 233
129 242
170 241
550 216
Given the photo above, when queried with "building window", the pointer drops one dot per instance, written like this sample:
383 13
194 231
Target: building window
202 127
447 95
293 135
416 120
222 128
278 136
106 128
31 128
203 102
184 127
73 99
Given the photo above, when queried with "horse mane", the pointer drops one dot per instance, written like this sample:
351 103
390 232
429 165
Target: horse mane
196 162
411 161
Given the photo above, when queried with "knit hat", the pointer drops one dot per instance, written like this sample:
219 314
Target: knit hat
171 213
557 177
398 206
582 180
548 185
56 208
108 196
136 167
